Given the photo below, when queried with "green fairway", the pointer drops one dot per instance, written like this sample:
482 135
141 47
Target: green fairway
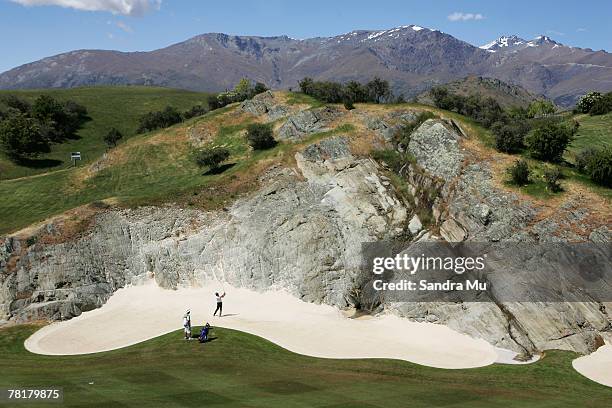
241 370
118 107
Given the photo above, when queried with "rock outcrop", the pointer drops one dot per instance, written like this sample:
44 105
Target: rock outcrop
303 231
307 122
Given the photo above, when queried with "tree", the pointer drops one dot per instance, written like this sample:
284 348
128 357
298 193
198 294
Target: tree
586 102
549 141
212 157
509 137
378 90
260 87
519 173
17 103
21 137
602 105
306 85
540 108
355 92
243 88
259 136
112 137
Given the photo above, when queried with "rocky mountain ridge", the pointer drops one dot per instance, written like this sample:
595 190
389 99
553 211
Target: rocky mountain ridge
411 57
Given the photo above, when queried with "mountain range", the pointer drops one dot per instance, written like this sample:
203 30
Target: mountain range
411 57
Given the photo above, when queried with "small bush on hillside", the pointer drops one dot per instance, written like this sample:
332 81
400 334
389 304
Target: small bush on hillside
519 173
348 104
395 160
583 157
376 91
159 119
549 141
212 157
112 137
551 177
602 105
510 136
196 110
243 90
260 137
586 102
599 167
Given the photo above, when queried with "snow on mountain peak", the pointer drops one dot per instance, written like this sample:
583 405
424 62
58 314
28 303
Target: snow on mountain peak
503 42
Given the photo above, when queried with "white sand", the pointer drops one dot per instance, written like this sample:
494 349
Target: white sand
139 313
597 366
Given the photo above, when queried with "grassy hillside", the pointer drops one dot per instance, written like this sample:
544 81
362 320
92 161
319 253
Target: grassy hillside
118 107
594 131
158 167
237 370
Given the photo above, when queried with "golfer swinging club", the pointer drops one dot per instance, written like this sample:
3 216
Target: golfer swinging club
187 325
219 303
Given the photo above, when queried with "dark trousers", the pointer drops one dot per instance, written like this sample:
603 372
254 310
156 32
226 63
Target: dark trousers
219 308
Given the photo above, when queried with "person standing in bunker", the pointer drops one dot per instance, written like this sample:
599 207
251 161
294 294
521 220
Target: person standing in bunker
187 325
219 303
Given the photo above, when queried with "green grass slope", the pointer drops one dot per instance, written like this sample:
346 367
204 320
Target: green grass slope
594 131
158 167
240 370
118 107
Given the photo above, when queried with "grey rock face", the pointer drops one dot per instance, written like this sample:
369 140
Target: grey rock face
302 231
264 103
435 148
470 207
307 122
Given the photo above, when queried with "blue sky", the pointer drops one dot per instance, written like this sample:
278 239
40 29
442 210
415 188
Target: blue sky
34 30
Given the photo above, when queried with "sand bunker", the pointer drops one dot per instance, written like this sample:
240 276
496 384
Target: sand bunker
139 313
597 366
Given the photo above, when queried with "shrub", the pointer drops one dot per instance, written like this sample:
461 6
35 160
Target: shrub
509 137
159 119
196 110
540 108
112 137
519 173
377 90
583 158
549 141
551 177
599 167
395 160
586 102
212 157
602 105
259 136
348 104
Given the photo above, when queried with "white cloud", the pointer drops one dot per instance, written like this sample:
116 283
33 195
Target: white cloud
124 27
459 16
125 7
581 29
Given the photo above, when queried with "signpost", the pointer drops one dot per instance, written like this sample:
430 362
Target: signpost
75 156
